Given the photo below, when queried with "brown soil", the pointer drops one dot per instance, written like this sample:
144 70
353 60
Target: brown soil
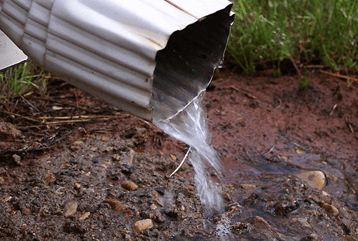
64 181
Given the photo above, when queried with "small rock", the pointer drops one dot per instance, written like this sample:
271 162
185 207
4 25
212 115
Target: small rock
315 179
94 148
75 148
26 211
105 138
141 225
84 216
129 185
77 186
153 206
7 199
17 159
78 143
50 178
70 208
116 157
160 201
331 209
261 223
248 186
120 207
304 223
191 188
113 202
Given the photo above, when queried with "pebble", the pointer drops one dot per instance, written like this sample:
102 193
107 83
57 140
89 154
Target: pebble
70 208
315 179
94 148
129 185
113 202
303 222
7 199
261 223
141 225
17 159
105 138
75 148
26 211
78 143
153 206
50 178
116 157
77 186
120 207
331 209
84 216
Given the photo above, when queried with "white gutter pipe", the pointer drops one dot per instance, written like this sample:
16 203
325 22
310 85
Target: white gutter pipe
149 58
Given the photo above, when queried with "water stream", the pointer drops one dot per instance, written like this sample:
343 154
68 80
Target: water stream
190 127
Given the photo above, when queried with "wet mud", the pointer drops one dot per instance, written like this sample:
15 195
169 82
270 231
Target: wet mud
289 164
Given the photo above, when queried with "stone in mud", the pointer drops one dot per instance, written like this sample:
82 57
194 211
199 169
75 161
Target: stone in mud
141 225
330 209
50 178
129 185
77 186
113 202
260 223
17 159
70 208
120 207
26 211
315 179
84 216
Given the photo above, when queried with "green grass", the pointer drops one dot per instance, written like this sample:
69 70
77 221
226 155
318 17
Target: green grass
273 30
21 79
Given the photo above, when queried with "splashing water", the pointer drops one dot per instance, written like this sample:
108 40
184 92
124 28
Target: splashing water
190 127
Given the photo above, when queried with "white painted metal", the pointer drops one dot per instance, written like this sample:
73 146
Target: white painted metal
10 54
110 48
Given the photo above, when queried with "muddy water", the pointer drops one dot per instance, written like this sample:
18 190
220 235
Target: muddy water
190 127
289 159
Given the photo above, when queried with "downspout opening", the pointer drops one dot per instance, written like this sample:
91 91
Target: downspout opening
184 68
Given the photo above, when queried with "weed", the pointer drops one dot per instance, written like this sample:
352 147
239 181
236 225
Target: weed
307 30
20 79
303 83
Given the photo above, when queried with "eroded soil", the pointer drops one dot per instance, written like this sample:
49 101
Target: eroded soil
289 162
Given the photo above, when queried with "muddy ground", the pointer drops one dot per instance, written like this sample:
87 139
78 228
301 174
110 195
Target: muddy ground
74 168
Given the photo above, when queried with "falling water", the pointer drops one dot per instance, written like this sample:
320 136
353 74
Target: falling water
190 127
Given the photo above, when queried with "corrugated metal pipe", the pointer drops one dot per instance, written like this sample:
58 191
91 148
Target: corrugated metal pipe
150 58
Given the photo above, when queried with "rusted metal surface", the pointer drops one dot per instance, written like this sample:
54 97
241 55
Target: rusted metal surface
122 51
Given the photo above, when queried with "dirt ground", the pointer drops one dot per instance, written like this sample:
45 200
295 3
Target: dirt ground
74 168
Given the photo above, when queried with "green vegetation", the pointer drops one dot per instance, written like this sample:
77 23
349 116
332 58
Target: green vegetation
265 32
21 79
303 83
269 31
